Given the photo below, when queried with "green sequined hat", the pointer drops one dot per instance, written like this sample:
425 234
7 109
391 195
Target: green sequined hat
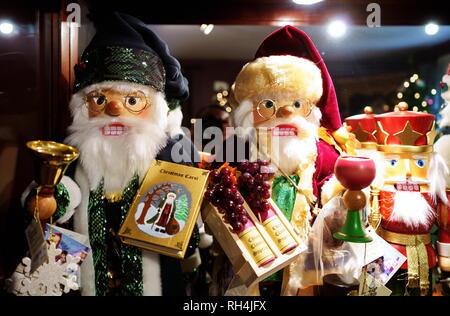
125 49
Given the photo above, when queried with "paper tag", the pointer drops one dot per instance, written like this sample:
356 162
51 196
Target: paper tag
382 260
369 286
37 245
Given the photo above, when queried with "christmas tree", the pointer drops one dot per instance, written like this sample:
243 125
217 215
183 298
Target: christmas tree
182 208
417 95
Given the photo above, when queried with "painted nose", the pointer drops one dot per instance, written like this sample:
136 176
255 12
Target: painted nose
408 169
285 111
114 108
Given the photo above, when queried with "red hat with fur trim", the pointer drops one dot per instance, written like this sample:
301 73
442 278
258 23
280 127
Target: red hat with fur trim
291 41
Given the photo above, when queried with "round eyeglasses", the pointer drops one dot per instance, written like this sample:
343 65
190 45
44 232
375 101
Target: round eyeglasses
268 108
134 102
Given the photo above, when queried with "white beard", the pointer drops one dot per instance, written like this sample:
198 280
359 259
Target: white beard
445 119
288 152
412 209
291 153
116 159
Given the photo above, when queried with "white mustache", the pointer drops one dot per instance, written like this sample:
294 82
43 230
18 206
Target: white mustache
412 180
98 123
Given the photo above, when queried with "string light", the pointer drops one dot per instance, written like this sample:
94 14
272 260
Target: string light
399 95
406 84
206 28
431 28
221 98
307 2
6 28
417 96
337 28
433 92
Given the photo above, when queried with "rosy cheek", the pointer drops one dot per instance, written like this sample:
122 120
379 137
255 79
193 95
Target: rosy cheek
94 115
143 114
257 119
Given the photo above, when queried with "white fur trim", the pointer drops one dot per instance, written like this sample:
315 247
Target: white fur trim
66 217
151 274
329 189
87 277
443 249
189 264
206 239
284 74
74 197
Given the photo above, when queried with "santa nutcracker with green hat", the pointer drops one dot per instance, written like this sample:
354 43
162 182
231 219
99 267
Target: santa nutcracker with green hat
127 85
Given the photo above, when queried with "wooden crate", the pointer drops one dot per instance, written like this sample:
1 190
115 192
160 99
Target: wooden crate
242 262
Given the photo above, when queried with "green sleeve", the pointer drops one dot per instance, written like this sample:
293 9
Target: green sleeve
62 201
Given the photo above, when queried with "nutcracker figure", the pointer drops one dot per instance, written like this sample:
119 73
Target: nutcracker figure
127 86
408 199
364 128
443 148
287 95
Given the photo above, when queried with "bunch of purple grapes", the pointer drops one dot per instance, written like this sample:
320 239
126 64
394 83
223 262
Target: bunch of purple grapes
254 181
223 193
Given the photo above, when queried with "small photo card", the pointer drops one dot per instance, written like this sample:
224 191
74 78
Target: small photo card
67 243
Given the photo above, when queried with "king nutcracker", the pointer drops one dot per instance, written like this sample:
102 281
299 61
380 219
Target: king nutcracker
413 188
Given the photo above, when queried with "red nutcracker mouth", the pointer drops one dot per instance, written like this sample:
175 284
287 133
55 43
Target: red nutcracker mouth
407 187
115 129
284 130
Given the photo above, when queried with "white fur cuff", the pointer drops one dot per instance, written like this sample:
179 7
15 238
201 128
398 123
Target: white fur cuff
74 198
443 249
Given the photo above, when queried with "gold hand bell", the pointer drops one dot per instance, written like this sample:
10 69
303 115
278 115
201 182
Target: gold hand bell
51 162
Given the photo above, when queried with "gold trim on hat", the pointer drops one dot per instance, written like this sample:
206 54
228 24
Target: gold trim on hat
405 149
384 132
368 145
431 135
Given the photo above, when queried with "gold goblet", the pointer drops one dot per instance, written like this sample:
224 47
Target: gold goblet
51 162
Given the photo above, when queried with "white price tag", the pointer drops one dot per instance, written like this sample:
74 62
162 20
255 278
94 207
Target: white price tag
37 245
